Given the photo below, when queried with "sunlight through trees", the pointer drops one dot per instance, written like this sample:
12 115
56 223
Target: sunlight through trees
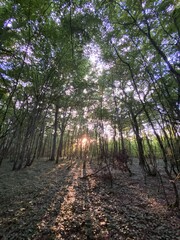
90 80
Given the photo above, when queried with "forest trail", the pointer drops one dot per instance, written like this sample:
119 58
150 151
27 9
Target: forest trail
48 201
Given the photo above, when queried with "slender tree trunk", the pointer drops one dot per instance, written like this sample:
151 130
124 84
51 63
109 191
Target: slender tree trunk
122 139
138 139
114 142
60 147
53 153
44 145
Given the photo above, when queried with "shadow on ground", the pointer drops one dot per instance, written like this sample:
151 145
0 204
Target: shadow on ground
31 199
49 201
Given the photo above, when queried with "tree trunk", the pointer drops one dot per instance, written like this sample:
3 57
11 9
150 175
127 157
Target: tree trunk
60 147
53 153
138 140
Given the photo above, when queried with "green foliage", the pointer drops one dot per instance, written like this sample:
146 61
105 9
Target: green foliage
43 64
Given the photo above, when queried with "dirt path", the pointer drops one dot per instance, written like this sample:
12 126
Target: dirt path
48 201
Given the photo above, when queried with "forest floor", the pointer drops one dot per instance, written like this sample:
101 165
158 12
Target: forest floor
48 201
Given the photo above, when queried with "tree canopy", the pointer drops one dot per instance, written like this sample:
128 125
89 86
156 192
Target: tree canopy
109 69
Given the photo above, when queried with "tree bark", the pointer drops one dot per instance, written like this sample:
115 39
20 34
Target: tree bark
53 153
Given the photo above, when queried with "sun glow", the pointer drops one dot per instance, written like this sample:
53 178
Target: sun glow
84 141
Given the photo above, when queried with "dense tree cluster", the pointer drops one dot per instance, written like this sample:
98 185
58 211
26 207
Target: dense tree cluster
55 102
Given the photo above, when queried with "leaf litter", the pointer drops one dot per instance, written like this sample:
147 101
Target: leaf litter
48 201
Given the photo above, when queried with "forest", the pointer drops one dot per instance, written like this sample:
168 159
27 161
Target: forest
89 119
